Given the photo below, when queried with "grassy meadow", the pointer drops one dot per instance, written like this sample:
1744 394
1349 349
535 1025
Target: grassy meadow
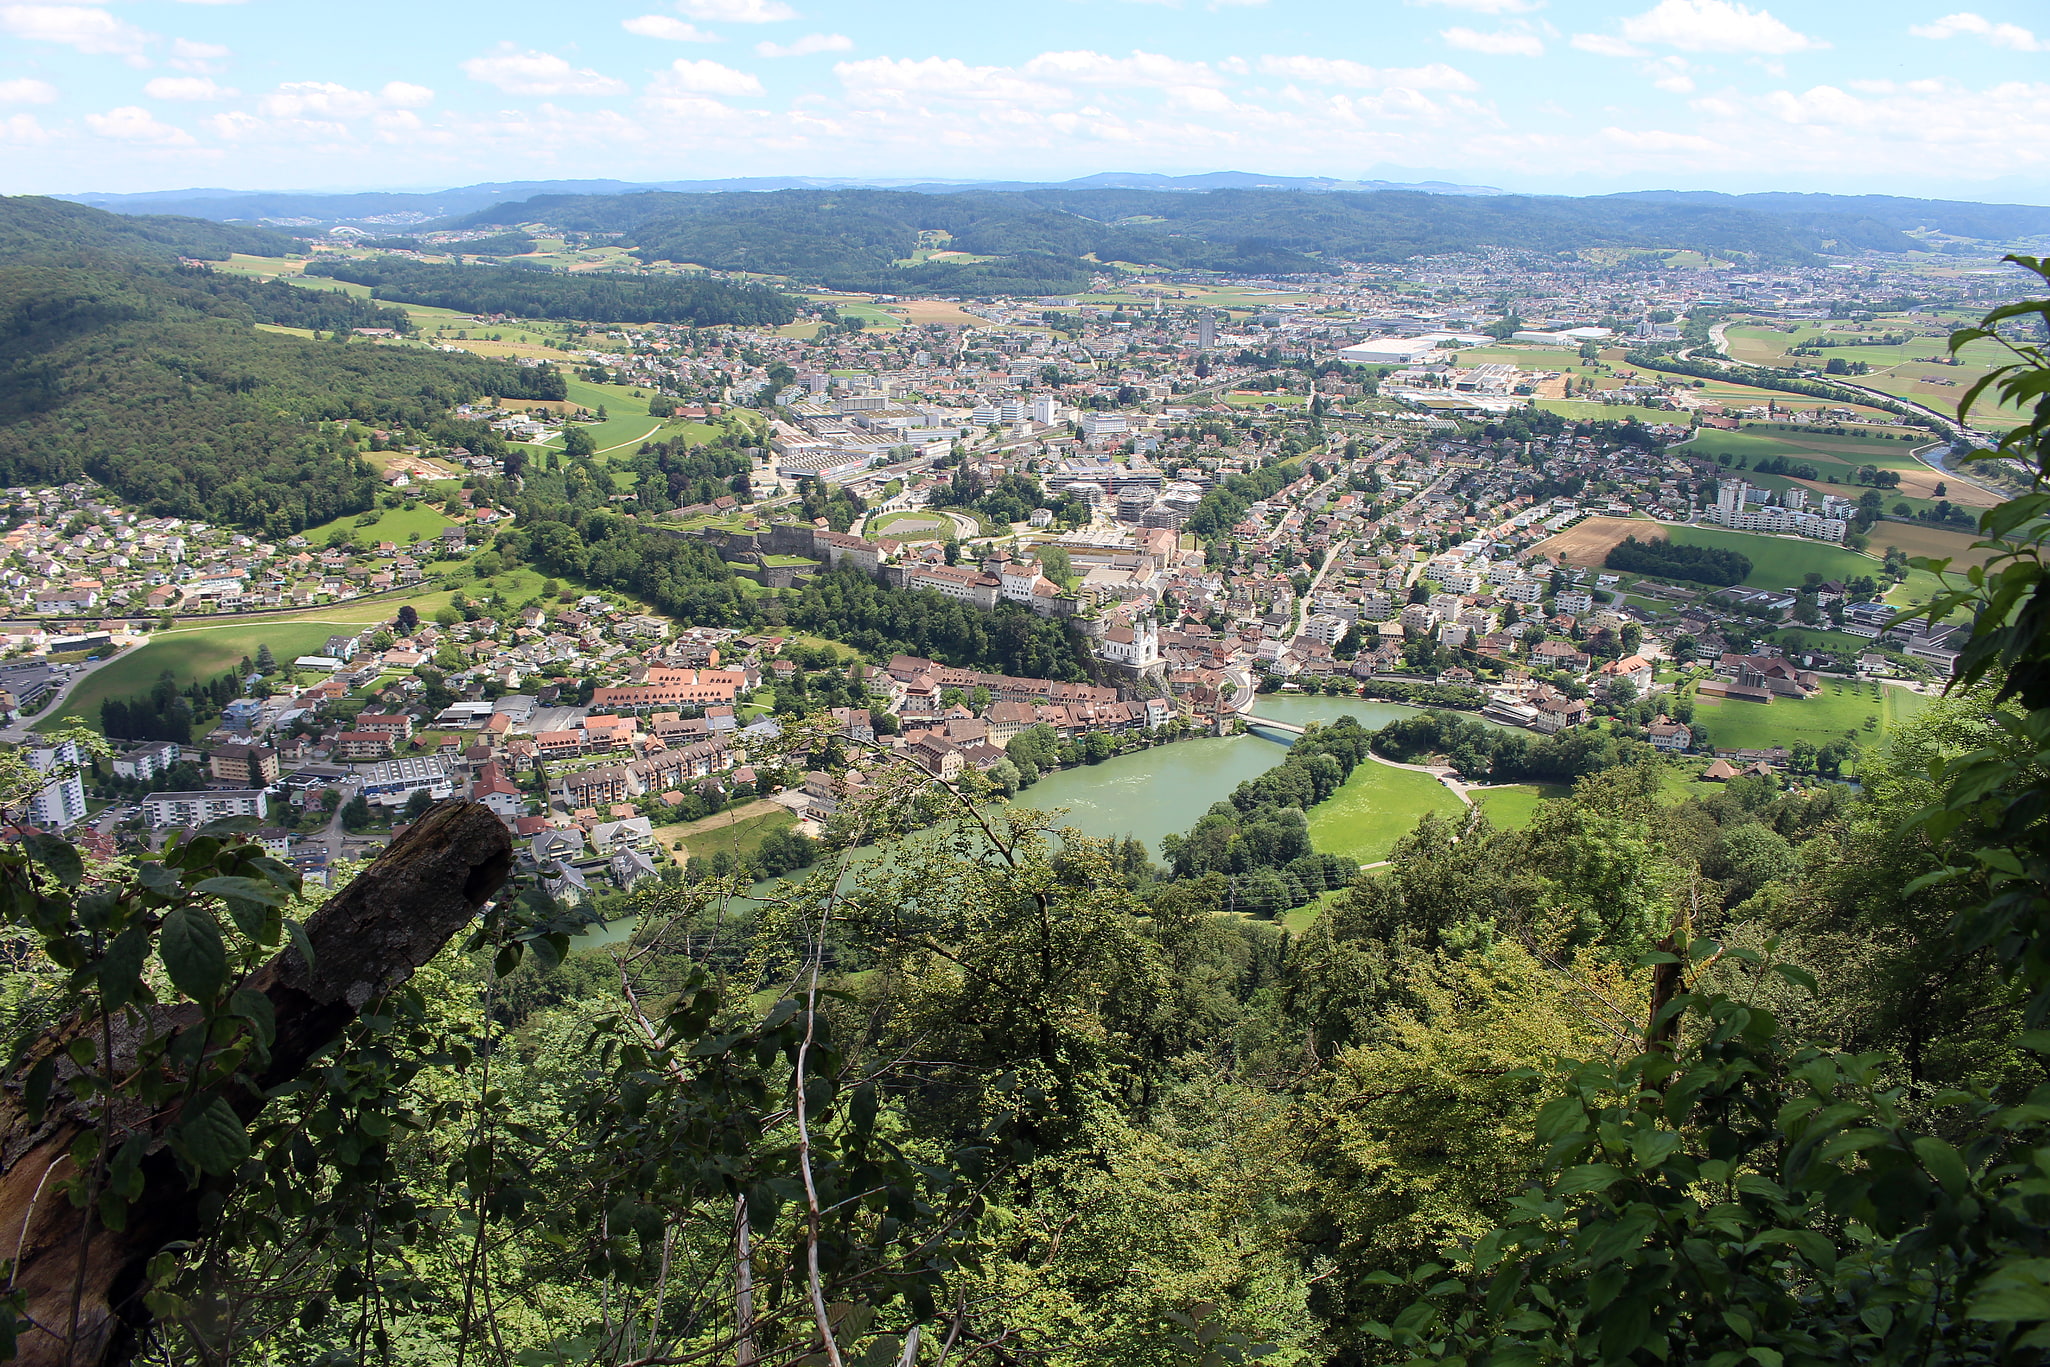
1377 806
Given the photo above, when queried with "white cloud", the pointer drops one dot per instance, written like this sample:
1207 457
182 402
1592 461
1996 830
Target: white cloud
27 90
1716 26
688 77
1670 73
187 88
1998 34
23 130
737 11
1602 45
670 30
1485 6
1339 71
807 45
199 58
898 79
1083 67
328 100
538 73
1500 43
83 27
132 123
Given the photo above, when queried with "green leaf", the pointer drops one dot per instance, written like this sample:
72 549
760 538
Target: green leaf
1944 1165
212 1139
248 889
1797 975
57 855
121 971
193 953
255 1007
36 1091
1587 1177
300 942
162 881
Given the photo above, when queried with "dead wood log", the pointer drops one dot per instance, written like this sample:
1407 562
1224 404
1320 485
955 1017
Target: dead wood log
366 940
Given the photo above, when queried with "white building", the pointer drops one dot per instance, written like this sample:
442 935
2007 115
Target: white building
1325 628
61 804
196 809
1137 646
148 761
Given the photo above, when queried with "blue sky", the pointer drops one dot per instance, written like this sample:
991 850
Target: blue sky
1570 96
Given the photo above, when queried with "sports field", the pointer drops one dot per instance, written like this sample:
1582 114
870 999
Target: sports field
1377 806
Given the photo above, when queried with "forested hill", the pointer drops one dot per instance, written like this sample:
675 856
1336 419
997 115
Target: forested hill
31 224
595 297
152 378
866 239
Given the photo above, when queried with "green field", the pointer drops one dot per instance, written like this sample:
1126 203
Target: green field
1377 806
1841 708
401 525
1918 369
196 653
739 836
1779 562
1514 807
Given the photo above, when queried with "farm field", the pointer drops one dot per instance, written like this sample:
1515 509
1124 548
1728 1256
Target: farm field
1377 806
1515 806
1585 543
1836 460
1934 542
1904 370
1841 708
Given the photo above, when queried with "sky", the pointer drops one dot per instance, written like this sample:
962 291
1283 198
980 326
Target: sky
1559 96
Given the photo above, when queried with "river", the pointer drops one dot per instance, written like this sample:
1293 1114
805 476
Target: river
1164 791
1152 794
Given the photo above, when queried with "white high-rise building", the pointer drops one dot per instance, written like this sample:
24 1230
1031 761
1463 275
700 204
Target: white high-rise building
61 804
1206 330
1045 409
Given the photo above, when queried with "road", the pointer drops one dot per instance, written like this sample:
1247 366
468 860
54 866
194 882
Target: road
19 732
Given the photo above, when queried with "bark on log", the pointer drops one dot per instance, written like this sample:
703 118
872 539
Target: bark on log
366 940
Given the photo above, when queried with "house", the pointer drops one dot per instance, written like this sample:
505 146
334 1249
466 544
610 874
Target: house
634 833
1669 736
1722 771
630 868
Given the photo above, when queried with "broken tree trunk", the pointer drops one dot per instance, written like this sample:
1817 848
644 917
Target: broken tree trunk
366 940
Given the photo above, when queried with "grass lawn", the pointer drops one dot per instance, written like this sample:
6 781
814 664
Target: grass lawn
1779 562
1841 707
736 832
1377 806
391 524
1512 808
192 653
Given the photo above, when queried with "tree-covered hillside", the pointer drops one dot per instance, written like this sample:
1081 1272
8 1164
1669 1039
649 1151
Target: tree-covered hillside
866 239
31 224
152 378
596 297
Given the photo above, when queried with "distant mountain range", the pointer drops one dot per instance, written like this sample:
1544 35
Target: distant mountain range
1812 215
399 208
